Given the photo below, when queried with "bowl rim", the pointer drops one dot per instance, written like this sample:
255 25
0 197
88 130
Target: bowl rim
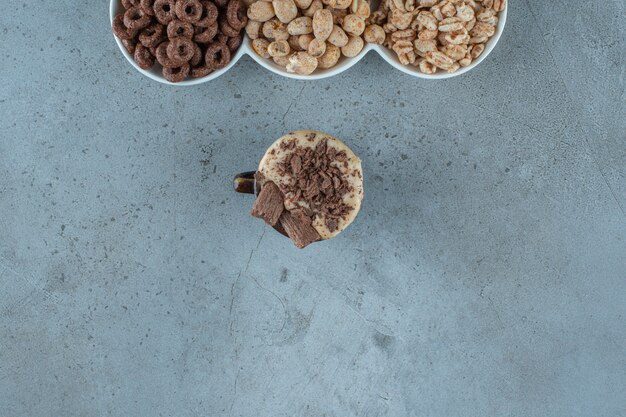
344 65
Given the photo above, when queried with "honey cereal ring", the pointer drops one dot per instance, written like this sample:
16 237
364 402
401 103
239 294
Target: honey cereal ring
227 29
217 56
143 57
147 6
152 35
205 35
135 19
180 49
120 30
164 10
179 29
234 43
221 3
209 14
196 59
127 4
188 10
130 45
164 59
176 74
236 15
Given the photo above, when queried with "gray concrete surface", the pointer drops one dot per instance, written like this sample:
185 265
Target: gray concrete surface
485 275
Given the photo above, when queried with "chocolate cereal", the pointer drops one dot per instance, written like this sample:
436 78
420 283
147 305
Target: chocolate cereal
187 38
188 10
164 11
205 35
209 14
135 18
153 35
179 29
147 6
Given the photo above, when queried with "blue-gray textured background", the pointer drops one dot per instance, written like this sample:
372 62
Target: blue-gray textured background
485 275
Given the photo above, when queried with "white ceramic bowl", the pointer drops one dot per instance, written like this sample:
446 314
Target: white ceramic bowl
343 64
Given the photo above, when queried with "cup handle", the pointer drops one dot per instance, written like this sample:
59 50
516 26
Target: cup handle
245 182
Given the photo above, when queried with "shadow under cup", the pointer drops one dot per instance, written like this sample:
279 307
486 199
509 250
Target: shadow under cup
245 183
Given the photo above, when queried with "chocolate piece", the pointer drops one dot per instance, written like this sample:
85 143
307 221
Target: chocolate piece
269 204
298 227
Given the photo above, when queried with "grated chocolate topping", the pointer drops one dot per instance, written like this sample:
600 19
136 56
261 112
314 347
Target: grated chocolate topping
313 178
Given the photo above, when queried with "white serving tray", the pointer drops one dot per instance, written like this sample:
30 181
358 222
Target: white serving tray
343 64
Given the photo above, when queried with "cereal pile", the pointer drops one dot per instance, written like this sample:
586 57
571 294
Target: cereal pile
303 35
436 34
187 37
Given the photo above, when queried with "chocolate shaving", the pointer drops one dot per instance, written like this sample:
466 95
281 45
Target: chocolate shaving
269 204
314 179
298 227
296 165
332 224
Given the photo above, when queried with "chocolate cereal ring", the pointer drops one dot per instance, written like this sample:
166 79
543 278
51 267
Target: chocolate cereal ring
143 57
236 15
180 49
120 30
196 59
147 6
135 19
209 14
152 35
130 45
176 74
179 29
221 38
227 29
164 10
205 35
217 56
234 43
127 4
188 10
201 71
163 59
